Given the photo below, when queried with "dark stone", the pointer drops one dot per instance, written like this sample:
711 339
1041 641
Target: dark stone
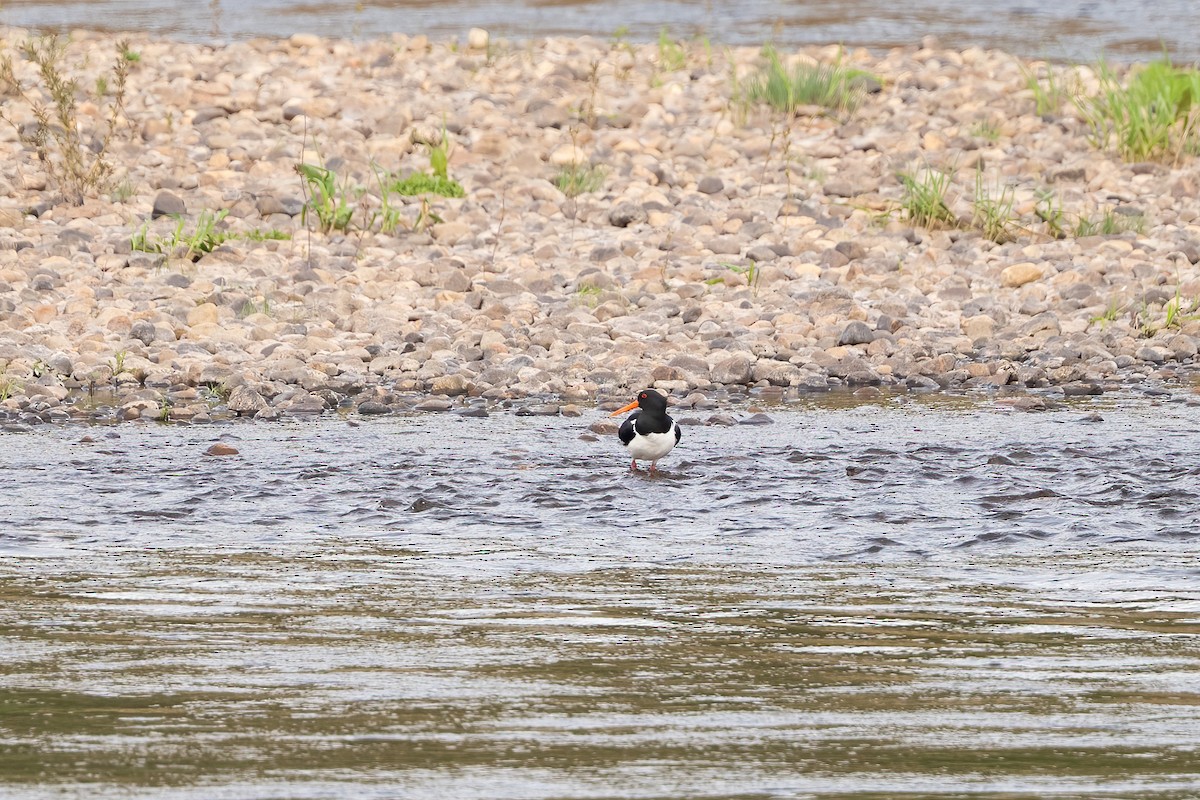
167 204
832 259
623 215
538 410
373 407
207 113
604 253
857 332
710 184
1068 174
143 331
851 250
1082 389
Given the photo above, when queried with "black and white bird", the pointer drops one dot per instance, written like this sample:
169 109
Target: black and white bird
648 433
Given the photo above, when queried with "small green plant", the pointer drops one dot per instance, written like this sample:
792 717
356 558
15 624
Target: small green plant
833 87
1050 91
1049 210
751 271
260 235
123 191
323 198
671 55
8 387
576 179
190 246
439 156
1177 311
1109 223
705 44
426 216
1111 311
987 130
993 213
620 38
117 365
924 200
75 162
220 391
205 238
139 240
437 181
1153 116
164 410
587 109
419 183
250 307
388 214
1141 320
588 294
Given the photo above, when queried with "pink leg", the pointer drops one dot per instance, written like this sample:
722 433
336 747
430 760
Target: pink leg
653 467
633 466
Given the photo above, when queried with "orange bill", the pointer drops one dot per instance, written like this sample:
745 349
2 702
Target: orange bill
623 409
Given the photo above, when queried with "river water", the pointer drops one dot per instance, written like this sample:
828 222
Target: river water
1080 30
921 598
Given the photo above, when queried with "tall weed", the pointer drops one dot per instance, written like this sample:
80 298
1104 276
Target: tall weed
76 163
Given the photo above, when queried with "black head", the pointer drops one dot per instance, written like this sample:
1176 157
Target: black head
651 402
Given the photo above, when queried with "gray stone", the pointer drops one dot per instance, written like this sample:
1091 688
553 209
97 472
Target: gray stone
434 404
623 215
735 370
710 184
857 332
167 204
724 245
851 250
245 401
373 408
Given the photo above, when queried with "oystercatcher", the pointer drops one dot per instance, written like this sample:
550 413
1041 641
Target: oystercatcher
648 433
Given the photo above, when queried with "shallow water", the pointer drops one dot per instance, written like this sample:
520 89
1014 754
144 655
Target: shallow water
1080 30
894 600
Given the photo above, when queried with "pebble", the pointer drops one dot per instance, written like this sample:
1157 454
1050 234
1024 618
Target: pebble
703 263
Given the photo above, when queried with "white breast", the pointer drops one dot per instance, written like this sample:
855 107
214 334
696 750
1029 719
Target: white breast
651 446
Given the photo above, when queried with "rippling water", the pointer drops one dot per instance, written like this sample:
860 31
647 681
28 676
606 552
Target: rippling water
1071 29
869 602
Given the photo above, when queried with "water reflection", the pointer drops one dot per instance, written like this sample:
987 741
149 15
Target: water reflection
352 663
1080 30
859 603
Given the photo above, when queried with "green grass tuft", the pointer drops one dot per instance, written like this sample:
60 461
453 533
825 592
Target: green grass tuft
993 210
924 200
1109 223
190 246
419 183
324 199
1153 116
830 86
576 179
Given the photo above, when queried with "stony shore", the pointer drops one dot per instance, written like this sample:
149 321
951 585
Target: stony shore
726 250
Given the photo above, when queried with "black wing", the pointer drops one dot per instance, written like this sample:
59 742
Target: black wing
627 430
678 433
